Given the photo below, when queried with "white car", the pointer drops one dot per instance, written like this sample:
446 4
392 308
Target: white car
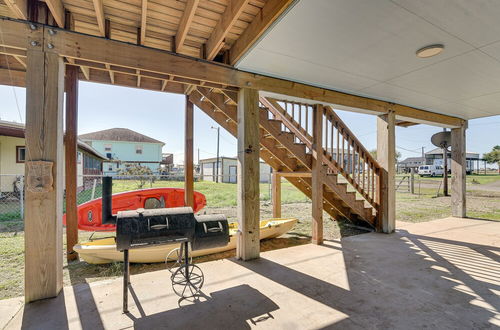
430 170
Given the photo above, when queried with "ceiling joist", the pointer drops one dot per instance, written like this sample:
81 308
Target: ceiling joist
144 20
269 14
229 17
57 10
18 7
99 13
187 18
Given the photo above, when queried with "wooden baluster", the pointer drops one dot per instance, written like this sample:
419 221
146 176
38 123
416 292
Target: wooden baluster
338 143
359 166
331 132
348 165
367 164
343 155
373 182
364 169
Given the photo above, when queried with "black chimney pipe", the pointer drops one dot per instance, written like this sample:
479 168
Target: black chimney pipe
107 207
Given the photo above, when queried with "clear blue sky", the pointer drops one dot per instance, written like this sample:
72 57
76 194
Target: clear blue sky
161 116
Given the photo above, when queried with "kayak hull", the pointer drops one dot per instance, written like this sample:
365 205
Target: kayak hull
90 213
102 251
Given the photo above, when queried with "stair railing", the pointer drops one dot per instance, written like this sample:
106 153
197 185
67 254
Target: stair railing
343 152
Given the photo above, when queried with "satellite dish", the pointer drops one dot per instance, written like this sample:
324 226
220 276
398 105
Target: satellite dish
441 139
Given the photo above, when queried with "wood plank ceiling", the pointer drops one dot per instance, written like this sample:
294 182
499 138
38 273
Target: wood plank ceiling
197 28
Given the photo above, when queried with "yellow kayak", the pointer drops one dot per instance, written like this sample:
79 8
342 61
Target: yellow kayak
103 251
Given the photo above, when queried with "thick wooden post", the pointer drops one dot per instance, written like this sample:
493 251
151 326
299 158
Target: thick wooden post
458 172
188 155
248 246
317 176
386 157
44 184
276 194
70 145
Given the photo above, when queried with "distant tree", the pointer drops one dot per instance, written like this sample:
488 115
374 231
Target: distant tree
493 156
142 174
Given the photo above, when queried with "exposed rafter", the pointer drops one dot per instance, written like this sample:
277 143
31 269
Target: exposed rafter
271 11
99 13
18 7
57 9
216 41
185 23
144 20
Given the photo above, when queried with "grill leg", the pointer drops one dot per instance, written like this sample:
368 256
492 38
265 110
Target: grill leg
186 258
126 280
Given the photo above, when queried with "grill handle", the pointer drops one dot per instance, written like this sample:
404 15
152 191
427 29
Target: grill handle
213 229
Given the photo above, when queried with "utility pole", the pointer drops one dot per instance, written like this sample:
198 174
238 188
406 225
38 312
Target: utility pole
217 163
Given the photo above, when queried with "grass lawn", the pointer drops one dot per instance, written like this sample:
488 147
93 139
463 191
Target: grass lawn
470 179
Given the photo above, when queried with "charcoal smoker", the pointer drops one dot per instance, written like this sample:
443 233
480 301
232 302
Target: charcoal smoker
146 227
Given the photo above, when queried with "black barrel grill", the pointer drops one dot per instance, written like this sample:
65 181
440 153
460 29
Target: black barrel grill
147 227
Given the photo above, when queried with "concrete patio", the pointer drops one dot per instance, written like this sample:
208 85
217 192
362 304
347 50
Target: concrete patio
443 274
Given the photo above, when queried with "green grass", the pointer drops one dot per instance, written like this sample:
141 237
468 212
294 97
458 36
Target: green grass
217 194
470 179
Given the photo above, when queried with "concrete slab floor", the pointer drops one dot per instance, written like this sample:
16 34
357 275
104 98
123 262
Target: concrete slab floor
443 274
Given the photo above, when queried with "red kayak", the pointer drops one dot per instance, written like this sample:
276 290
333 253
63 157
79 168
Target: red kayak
90 213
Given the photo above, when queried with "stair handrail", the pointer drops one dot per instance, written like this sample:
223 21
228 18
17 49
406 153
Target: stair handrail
273 106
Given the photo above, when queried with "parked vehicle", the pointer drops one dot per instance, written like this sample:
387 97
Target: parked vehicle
430 170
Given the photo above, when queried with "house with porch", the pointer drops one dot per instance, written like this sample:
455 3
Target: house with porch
123 147
13 155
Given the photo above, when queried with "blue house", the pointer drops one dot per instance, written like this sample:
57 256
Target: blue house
124 147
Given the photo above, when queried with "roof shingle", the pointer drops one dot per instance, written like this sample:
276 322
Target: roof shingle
118 134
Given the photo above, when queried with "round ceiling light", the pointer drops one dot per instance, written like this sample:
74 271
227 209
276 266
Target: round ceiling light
429 51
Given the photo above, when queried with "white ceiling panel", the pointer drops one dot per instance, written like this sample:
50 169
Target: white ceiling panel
465 76
474 21
387 92
367 47
379 42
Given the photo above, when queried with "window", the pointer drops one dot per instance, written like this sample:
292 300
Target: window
108 155
110 167
20 154
79 157
138 149
107 147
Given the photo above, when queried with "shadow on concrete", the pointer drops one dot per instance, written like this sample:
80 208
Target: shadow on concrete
232 308
49 312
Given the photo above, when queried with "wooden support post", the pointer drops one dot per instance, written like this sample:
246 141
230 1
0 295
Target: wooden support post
44 185
70 145
188 155
458 172
276 194
317 176
386 157
248 246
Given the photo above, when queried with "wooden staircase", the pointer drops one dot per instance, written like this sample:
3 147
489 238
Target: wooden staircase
352 180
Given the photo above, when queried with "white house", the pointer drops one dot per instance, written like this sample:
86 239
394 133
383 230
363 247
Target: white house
228 170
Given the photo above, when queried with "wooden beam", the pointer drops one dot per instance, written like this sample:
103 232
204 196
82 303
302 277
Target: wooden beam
18 7
187 18
458 172
57 10
20 60
229 17
268 15
144 20
44 142
318 176
99 14
99 50
70 145
386 157
276 194
248 246
188 155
